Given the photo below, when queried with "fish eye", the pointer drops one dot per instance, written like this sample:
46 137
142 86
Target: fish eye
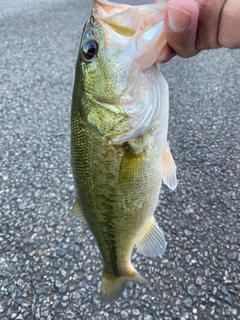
90 49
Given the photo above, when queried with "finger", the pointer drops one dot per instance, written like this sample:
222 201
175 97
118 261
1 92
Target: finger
180 26
228 33
166 54
208 23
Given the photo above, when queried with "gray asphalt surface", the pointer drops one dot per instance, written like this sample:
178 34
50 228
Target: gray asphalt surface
50 266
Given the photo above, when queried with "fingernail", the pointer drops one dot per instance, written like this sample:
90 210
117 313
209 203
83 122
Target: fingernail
178 19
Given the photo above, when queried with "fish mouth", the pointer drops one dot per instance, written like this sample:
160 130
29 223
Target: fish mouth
133 36
128 18
119 17
132 28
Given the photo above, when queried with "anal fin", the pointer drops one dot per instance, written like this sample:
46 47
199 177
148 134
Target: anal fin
169 169
152 243
77 210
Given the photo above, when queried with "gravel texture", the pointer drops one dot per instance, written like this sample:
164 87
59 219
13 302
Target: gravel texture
50 266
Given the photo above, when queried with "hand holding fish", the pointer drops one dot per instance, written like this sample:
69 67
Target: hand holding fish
192 26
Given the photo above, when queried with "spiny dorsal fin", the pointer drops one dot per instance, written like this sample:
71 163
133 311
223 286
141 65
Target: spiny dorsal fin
152 243
169 169
77 210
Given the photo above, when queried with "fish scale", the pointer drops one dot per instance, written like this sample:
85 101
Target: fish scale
102 195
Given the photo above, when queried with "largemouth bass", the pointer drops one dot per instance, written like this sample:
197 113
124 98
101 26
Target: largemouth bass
120 153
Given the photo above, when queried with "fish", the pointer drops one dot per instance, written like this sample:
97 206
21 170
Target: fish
119 148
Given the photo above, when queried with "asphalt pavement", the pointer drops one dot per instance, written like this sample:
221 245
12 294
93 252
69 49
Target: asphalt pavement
50 267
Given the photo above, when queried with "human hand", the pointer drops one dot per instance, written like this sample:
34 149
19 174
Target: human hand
191 26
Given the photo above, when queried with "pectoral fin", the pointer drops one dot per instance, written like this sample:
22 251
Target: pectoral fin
131 166
77 210
152 243
169 169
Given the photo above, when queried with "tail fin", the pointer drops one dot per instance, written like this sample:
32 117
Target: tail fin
113 286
